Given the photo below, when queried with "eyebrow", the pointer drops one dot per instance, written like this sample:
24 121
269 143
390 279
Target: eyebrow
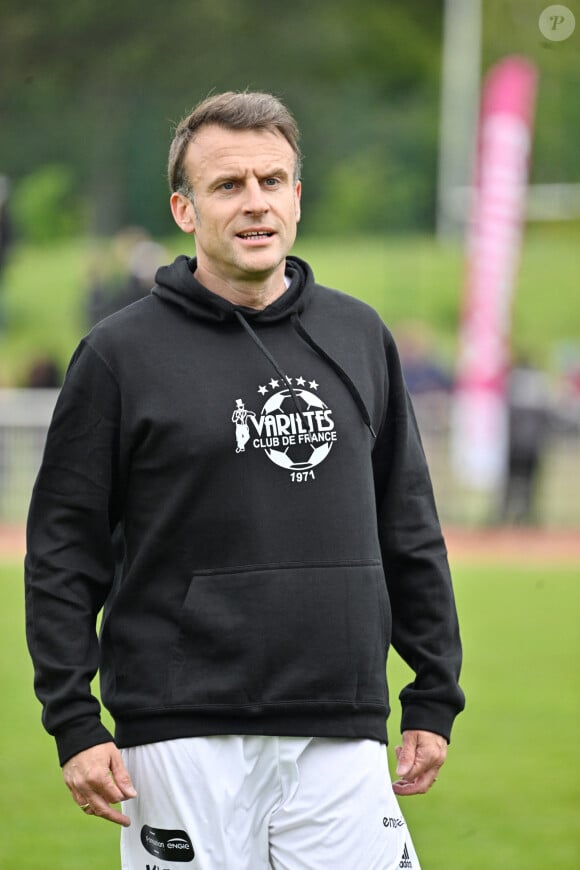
283 173
278 171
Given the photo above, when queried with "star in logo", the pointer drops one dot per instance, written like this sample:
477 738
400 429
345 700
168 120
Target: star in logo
274 384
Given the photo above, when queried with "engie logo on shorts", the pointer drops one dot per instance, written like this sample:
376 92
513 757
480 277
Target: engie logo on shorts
169 845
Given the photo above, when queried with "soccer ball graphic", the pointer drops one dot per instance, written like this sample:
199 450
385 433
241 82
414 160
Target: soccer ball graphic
298 455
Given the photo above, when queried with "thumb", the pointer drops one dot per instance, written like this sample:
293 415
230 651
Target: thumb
121 776
405 756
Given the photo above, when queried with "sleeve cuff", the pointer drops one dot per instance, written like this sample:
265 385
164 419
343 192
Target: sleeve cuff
79 735
437 718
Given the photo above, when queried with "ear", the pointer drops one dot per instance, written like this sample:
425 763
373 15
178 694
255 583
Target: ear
183 212
297 195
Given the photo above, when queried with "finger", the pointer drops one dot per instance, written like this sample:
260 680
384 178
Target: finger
80 799
406 754
121 777
419 767
92 804
98 783
99 792
82 802
424 770
420 785
428 754
77 797
99 808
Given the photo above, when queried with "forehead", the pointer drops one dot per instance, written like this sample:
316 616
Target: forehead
216 149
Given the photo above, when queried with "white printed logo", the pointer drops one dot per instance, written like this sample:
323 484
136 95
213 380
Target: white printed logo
295 428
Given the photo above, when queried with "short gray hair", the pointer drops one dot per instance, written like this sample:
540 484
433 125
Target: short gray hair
247 110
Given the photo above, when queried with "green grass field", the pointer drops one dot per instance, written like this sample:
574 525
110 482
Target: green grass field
507 797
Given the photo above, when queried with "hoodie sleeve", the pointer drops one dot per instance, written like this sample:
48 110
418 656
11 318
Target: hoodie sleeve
425 629
69 564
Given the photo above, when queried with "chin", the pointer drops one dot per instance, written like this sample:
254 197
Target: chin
262 266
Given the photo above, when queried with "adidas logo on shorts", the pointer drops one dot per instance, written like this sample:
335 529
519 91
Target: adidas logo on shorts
405 860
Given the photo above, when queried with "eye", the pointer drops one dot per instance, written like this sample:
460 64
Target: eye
228 185
272 182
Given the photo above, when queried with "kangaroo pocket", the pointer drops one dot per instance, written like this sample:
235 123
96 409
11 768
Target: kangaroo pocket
282 635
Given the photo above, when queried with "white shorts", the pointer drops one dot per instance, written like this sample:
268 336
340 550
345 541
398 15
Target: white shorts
254 803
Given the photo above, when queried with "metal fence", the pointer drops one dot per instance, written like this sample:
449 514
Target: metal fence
558 497
24 419
25 416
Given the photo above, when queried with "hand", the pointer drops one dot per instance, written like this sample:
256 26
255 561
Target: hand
97 777
418 761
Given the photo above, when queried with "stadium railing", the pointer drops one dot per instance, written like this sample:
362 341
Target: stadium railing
24 419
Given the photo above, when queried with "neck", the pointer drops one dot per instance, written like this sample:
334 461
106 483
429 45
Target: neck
258 292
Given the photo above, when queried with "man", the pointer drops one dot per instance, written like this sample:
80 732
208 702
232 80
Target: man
529 422
250 596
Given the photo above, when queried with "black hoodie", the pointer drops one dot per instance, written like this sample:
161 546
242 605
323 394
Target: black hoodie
245 494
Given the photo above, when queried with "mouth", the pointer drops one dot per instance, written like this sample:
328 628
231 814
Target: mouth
255 235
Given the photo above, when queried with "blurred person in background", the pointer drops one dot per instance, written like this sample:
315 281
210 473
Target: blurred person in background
43 374
260 580
529 423
123 274
422 368
428 380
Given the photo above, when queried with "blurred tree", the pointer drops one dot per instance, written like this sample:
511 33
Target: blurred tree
98 86
46 205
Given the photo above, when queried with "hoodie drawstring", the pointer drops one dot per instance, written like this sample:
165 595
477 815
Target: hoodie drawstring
358 400
262 347
306 337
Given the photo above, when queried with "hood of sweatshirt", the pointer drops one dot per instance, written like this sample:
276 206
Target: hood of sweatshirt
176 283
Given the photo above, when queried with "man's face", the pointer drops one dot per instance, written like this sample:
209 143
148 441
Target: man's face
246 201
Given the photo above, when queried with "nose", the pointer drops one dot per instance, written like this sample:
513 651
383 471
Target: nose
255 201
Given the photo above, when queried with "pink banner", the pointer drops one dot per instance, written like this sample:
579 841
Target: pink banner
493 249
